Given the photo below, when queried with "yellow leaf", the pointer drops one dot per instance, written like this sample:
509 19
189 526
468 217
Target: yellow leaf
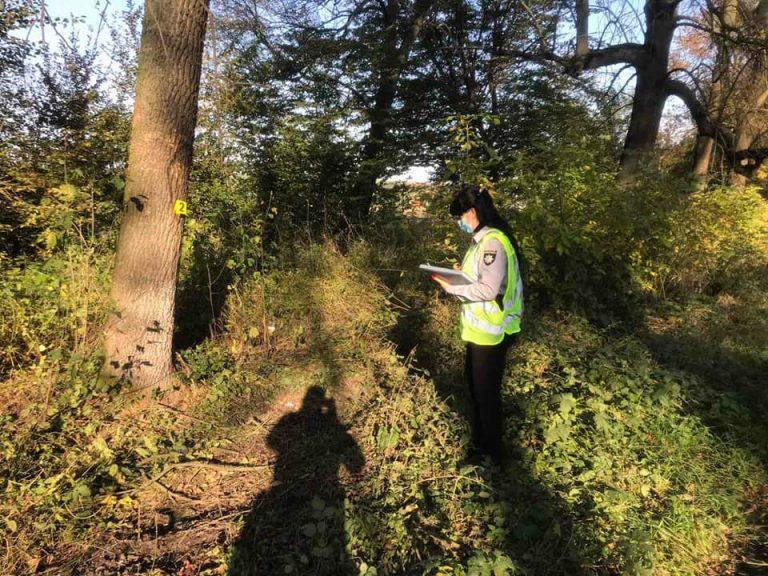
101 448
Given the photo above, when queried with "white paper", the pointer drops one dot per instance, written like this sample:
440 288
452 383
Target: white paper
451 276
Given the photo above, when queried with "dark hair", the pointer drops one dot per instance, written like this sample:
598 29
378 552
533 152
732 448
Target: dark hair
469 197
477 197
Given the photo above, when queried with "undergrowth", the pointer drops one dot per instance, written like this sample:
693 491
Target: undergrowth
615 469
630 452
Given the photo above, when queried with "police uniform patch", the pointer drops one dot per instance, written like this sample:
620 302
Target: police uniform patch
489 257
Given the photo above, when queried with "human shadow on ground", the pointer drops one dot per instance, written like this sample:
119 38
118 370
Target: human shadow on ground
297 526
540 530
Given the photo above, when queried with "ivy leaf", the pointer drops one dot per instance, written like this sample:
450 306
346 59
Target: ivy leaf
101 448
601 422
567 402
556 432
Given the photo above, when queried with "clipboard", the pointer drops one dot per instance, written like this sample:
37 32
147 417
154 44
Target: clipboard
451 276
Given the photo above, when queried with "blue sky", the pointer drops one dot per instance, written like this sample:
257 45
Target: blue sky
90 10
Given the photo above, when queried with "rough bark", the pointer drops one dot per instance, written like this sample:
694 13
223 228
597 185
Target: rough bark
582 28
650 60
705 144
650 95
139 334
751 123
705 147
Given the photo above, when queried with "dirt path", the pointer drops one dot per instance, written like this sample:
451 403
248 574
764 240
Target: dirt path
263 489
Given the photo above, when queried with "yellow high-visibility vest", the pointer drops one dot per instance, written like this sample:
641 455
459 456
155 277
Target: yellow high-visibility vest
486 323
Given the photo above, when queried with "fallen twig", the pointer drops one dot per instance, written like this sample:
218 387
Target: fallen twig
208 464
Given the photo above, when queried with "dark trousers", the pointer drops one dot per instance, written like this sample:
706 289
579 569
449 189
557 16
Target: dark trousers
483 372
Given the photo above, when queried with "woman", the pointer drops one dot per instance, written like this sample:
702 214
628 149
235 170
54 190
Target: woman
491 309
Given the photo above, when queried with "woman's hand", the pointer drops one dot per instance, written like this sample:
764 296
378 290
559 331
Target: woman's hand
457 266
443 283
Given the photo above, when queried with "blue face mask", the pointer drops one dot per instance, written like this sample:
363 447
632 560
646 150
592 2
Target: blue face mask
464 227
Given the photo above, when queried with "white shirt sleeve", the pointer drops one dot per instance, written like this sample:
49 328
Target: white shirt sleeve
492 274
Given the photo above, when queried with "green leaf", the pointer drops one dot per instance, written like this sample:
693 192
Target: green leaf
557 432
387 437
80 492
151 444
50 239
101 448
321 551
602 422
502 566
318 504
567 402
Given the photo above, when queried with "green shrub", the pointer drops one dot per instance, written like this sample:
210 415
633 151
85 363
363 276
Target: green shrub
317 318
598 247
51 306
712 238
625 443
580 232
616 466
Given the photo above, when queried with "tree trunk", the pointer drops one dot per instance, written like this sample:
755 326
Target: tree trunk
397 51
650 88
752 120
139 334
582 28
371 161
721 22
705 147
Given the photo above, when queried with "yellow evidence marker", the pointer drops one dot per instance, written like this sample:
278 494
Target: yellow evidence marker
180 208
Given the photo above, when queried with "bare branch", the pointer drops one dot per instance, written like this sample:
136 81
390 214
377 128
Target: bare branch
692 76
539 30
102 21
735 36
632 54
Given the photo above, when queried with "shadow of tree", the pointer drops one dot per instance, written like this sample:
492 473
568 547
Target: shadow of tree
539 526
297 526
734 400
